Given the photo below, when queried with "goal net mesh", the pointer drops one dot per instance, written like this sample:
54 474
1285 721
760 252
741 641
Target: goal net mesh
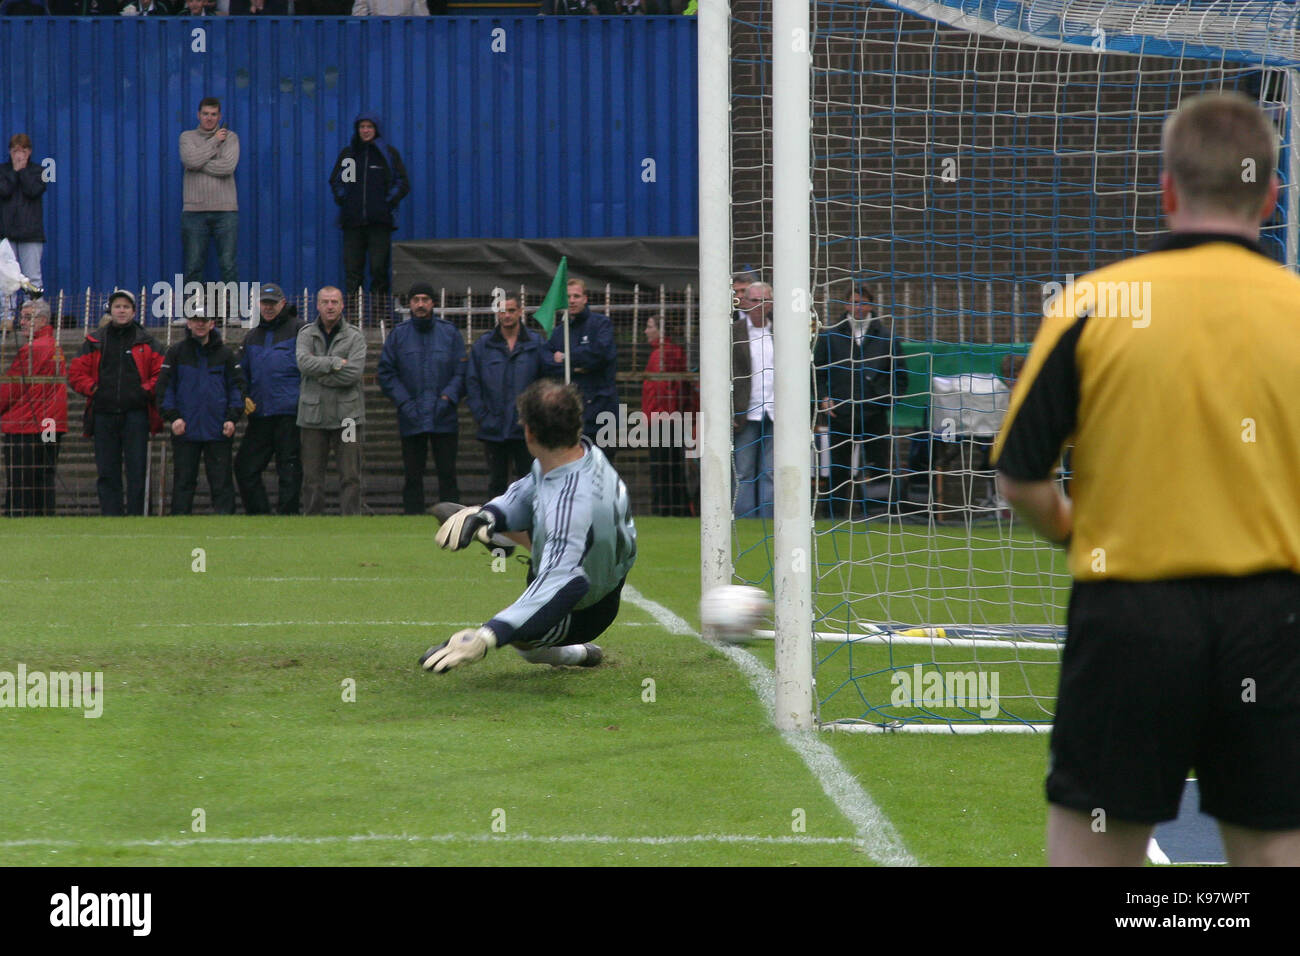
964 156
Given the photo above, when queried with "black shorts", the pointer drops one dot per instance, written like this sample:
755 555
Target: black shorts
578 627
1162 677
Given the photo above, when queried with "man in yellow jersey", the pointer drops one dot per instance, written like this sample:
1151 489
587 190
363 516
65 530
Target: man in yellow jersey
1174 376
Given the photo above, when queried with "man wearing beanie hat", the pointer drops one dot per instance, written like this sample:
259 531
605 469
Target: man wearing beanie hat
117 370
422 371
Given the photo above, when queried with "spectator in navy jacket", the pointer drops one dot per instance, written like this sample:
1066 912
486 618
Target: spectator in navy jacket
502 363
22 215
368 182
201 389
857 376
593 360
269 361
422 371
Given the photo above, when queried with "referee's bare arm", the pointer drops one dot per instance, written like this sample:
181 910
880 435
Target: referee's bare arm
1041 504
1041 418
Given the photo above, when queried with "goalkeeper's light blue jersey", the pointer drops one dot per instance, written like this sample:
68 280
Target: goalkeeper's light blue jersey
584 540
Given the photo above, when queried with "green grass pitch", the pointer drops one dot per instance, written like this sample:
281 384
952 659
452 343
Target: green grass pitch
227 736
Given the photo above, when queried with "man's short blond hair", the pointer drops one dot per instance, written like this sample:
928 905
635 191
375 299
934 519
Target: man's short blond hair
578 282
1221 151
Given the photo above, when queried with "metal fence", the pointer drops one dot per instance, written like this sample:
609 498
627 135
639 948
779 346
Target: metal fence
471 311
923 315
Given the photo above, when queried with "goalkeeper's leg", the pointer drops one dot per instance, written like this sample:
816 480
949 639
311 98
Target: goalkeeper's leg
568 643
570 655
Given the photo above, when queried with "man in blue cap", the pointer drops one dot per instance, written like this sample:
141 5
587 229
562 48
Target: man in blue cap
269 360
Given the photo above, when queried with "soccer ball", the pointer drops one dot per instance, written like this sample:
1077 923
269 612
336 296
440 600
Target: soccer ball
734 611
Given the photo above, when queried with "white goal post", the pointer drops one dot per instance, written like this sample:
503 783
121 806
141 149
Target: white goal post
792 290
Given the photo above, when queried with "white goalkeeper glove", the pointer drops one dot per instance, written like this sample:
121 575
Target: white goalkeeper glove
465 647
463 527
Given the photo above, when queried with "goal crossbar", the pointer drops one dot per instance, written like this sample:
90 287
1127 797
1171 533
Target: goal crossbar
1231 30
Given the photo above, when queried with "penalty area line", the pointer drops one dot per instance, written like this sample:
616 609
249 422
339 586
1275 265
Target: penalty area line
575 838
875 833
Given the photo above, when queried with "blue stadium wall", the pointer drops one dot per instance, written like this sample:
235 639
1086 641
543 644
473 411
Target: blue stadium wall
509 127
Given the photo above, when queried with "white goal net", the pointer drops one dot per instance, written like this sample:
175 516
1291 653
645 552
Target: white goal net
963 156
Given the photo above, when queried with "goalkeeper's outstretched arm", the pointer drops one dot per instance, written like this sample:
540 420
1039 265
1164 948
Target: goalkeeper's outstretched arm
465 526
513 510
510 513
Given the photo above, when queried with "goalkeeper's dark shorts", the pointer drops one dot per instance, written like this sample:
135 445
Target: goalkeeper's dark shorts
1160 678
578 627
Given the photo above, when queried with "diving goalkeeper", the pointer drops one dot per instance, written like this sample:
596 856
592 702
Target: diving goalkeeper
573 510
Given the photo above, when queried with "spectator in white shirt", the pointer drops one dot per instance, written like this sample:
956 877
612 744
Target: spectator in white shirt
752 394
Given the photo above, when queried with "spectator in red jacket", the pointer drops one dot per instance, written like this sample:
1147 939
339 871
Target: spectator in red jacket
117 370
33 415
661 398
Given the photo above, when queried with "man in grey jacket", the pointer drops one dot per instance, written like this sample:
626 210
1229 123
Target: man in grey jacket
331 406
209 154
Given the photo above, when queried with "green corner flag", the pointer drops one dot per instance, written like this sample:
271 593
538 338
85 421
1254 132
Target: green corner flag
556 300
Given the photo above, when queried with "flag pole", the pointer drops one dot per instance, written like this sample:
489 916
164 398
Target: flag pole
567 371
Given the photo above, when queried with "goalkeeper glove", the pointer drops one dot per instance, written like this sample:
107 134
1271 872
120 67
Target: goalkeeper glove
463 527
465 647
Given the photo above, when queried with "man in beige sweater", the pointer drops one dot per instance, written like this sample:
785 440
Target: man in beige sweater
209 154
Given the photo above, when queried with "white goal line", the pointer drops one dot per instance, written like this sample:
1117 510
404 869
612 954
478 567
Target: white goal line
899 727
